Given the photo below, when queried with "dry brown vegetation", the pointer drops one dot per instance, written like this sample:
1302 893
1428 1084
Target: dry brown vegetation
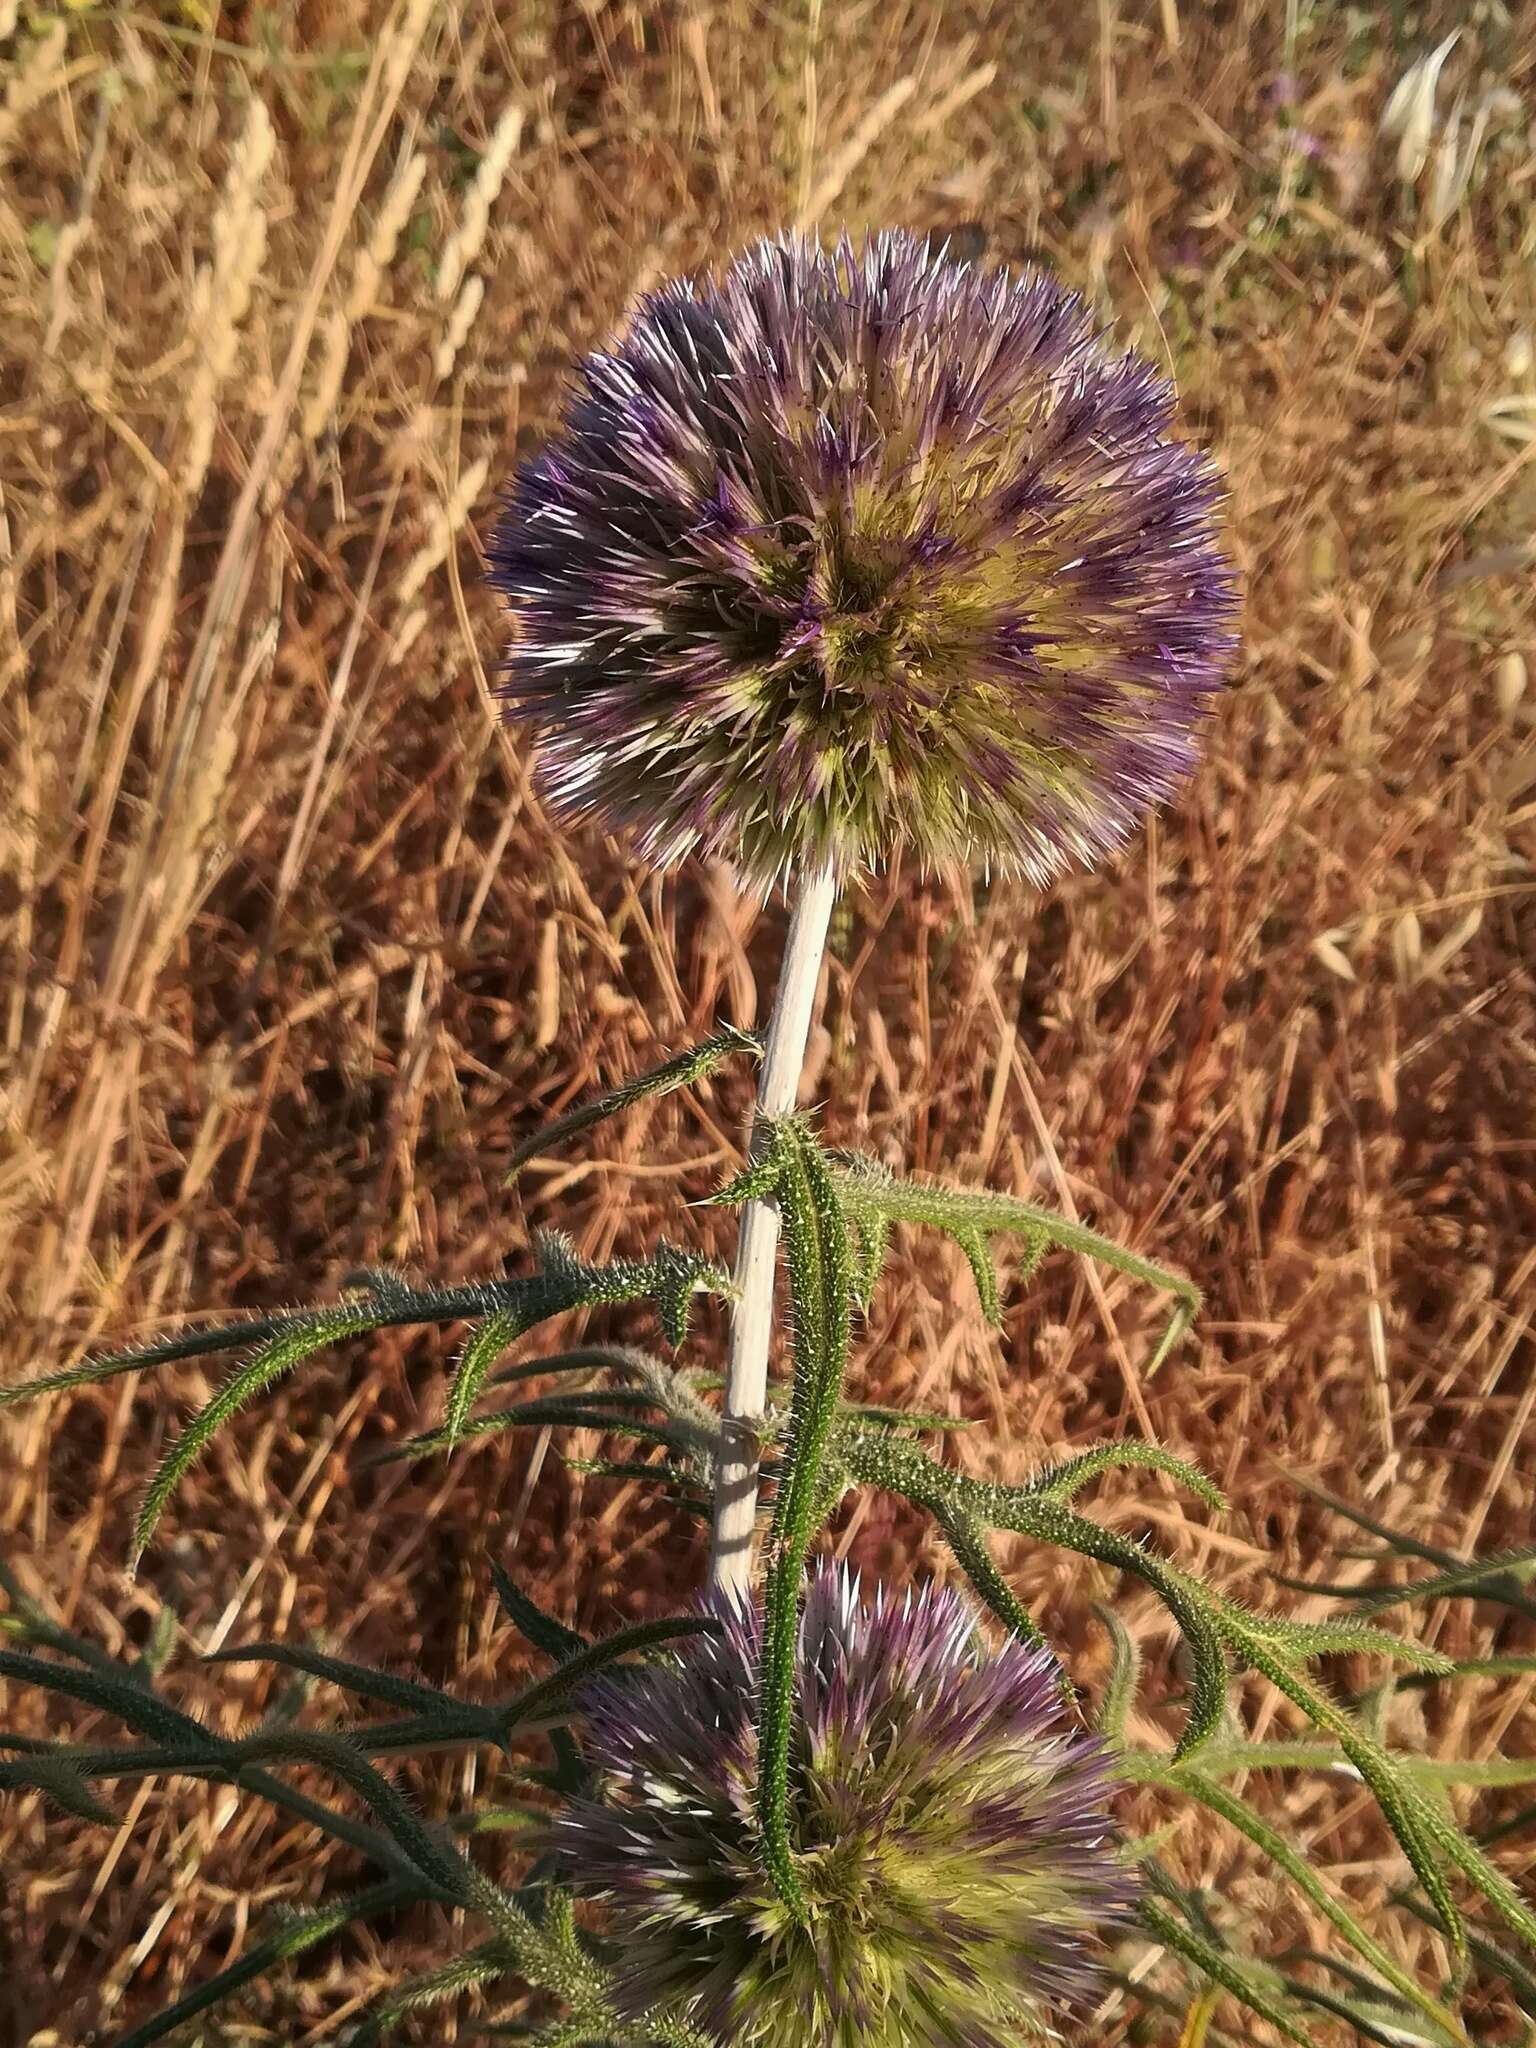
293 957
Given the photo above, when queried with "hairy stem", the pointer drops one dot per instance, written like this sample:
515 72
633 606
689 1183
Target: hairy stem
746 1382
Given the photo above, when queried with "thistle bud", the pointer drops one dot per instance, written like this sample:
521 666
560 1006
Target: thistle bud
952 1839
856 549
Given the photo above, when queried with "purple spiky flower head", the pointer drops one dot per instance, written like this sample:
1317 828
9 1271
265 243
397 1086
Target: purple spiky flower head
952 1838
852 549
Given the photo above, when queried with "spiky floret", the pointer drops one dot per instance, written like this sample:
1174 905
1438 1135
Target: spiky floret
952 1838
857 548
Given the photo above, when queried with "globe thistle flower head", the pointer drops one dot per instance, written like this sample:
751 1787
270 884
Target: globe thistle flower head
855 549
952 1840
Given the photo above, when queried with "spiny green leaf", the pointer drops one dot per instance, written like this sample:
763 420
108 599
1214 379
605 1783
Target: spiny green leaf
480 1353
904 1468
411 1694
439 1863
1187 1601
1487 1667
681 1492
564 1283
683 1070
1222 1968
1507 1592
671 1278
1384 2021
1124 1676
134 1705
1309 1639
558 1643
820 1273
542 1958
904 1418
573 1671
871 1241
191 1344
491 1960
297 1933
677 1282
582 1415
1237 1814
550 1411
160 1642
200 1754
1408 1814
1036 1244
585 1358
675 1392
983 1272
1477 1576
1224 1759
1481 1873
1519 1972
61 1782
1061 1482
254 1377
31 1623
969 1544
542 1630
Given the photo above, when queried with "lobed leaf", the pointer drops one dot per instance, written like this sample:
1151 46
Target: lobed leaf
31 1623
903 1468
871 1241
504 1308
903 1418
1405 1810
575 1670
437 1861
868 1189
1309 1639
1506 1591
62 1782
191 1344
1383 2021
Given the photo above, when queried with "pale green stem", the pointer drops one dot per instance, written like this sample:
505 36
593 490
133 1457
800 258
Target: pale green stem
746 1381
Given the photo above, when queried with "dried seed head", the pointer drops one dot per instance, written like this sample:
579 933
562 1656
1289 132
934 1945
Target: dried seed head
854 549
952 1840
1408 118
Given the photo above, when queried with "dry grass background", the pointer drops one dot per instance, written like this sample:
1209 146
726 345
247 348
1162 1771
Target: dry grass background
293 957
